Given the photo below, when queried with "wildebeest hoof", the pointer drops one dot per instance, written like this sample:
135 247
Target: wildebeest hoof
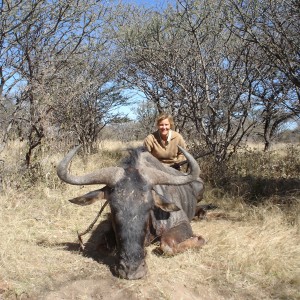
199 241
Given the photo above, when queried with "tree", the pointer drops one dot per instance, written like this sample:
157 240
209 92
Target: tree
146 114
52 62
272 27
209 64
270 98
186 62
13 16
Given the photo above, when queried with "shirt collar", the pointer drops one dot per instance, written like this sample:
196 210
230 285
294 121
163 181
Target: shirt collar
168 138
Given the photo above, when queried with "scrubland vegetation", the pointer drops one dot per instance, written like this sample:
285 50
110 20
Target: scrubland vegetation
227 71
252 249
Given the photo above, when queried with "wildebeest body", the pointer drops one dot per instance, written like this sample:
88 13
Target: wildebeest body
147 200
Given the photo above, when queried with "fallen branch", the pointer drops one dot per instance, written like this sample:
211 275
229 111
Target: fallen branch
90 227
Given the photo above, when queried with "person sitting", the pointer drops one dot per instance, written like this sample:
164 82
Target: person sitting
163 142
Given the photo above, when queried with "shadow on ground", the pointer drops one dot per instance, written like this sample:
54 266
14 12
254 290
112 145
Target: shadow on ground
100 246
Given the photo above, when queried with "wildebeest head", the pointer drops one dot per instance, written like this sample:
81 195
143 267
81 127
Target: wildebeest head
129 192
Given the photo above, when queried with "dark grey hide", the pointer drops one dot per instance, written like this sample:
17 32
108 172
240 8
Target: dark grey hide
147 200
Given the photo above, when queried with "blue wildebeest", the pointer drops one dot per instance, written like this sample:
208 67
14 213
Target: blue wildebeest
147 200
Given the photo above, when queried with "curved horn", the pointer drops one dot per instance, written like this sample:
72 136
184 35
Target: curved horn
108 176
162 178
195 169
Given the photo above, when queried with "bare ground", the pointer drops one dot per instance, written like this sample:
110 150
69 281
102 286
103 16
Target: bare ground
114 289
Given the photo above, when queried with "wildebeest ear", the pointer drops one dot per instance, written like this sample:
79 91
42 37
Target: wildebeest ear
163 203
90 197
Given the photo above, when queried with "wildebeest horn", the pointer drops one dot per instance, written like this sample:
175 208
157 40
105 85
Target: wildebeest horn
159 177
195 169
108 176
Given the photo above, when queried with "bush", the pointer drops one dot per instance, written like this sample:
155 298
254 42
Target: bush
258 176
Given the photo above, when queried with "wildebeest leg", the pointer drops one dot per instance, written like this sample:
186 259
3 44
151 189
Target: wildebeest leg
180 238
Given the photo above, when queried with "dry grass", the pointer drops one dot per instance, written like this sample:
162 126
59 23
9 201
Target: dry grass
251 252
260 146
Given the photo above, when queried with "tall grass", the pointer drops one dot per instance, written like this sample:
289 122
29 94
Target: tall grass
259 176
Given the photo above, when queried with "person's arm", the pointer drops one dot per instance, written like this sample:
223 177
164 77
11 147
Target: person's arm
148 143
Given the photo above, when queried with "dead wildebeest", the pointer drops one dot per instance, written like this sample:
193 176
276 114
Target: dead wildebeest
147 200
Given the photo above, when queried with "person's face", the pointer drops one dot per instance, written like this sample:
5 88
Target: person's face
164 127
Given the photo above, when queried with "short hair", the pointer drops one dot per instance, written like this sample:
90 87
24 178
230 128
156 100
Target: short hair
164 116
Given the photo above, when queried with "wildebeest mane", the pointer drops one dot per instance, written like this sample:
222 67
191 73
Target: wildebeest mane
133 158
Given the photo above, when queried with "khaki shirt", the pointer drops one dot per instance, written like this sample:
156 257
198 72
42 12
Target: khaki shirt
167 153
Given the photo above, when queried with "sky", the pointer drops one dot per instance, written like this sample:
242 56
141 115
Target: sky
149 3
136 97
